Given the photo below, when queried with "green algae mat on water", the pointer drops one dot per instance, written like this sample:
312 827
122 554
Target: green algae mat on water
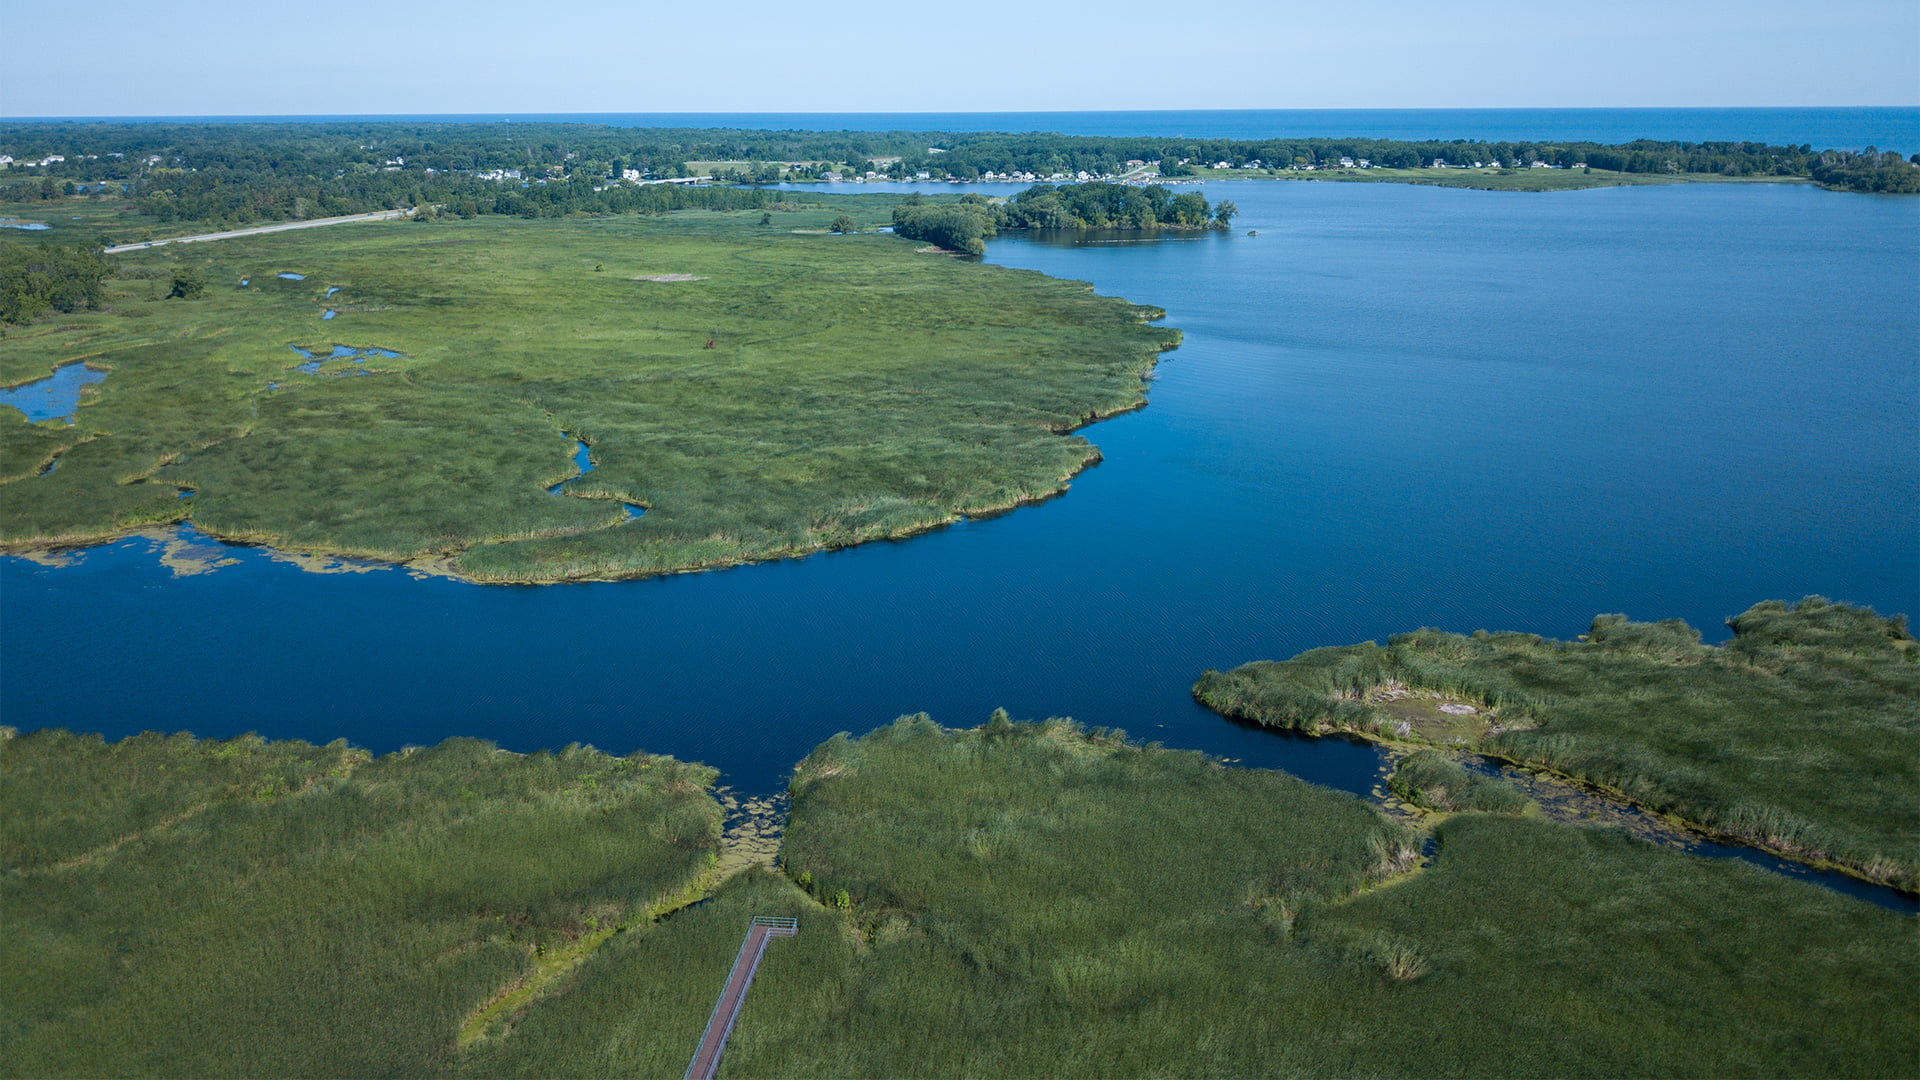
1798 735
758 390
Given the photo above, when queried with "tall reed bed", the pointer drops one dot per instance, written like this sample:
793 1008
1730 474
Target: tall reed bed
246 908
1042 900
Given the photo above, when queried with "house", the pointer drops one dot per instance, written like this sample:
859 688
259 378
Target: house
1346 163
1439 163
1363 163
6 161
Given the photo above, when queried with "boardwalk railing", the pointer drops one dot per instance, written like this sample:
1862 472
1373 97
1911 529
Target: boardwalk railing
713 1041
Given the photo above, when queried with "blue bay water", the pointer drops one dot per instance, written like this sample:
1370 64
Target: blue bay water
1395 406
1894 127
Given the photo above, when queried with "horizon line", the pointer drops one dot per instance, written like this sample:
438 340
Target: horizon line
505 114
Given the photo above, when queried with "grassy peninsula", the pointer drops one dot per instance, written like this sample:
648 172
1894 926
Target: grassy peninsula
748 385
183 907
1796 736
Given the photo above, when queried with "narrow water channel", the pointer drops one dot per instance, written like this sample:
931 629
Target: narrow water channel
1361 768
583 461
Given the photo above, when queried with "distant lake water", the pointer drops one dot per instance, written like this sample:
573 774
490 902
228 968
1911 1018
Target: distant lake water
1823 127
1395 407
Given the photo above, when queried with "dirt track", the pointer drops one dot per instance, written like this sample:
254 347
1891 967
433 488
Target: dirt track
378 215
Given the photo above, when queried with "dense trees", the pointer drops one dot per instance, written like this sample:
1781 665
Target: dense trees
1111 206
1867 171
49 277
964 226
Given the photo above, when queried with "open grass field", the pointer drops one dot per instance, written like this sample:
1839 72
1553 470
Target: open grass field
1798 735
182 907
759 390
1034 900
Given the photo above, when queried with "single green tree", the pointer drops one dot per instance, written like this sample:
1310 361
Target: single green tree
844 224
187 285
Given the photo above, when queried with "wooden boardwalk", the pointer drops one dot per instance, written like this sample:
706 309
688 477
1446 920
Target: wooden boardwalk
713 1041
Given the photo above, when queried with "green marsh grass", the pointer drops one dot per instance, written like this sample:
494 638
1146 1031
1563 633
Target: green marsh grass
181 907
1797 735
1040 900
855 390
1433 781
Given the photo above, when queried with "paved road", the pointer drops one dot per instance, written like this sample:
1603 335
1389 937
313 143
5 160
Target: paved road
381 215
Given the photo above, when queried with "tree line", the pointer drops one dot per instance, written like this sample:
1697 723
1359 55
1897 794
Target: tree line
967 224
246 172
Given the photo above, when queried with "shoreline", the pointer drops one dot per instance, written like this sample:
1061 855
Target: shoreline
1815 860
60 551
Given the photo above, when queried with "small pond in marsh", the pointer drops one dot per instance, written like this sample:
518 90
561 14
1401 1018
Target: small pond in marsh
341 352
55 397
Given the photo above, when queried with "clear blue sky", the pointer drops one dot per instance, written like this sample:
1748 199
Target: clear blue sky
223 57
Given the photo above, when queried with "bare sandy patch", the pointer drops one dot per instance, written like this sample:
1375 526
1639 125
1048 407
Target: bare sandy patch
669 277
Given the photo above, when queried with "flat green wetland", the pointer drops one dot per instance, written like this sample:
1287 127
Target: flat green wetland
757 389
